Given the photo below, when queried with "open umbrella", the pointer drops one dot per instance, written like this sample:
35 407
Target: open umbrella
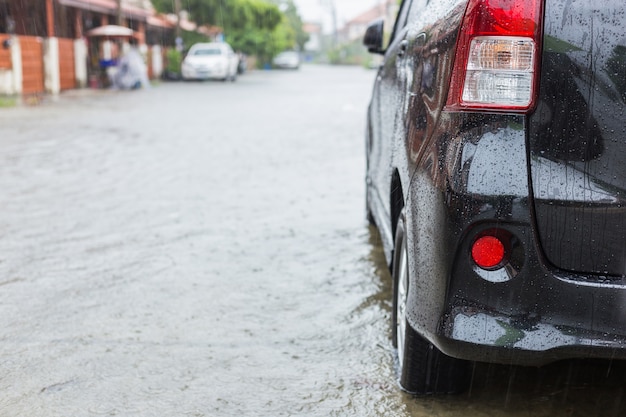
111 31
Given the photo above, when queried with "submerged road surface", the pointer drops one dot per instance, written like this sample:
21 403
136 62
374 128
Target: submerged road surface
201 249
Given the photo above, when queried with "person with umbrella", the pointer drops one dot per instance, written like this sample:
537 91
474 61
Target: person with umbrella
131 71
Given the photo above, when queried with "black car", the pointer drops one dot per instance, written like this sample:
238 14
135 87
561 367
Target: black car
496 175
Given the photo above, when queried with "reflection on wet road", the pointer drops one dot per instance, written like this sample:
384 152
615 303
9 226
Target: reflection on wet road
201 249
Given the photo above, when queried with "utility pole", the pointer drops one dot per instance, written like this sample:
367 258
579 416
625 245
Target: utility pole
177 11
119 13
330 4
179 39
333 12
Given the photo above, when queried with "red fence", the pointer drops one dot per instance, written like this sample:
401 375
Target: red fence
32 64
5 53
67 68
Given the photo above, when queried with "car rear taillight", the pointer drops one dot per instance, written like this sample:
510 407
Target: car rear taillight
496 62
488 252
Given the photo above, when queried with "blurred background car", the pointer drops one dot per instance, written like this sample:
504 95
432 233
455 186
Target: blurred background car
215 60
287 60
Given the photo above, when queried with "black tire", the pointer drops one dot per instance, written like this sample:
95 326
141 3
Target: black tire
368 211
370 218
422 368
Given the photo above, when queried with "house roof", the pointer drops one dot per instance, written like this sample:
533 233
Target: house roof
370 15
312 28
135 8
160 21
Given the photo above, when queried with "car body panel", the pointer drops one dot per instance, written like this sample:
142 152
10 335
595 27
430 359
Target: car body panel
463 173
577 139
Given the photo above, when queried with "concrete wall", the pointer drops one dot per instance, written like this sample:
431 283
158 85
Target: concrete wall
80 61
11 79
157 61
52 77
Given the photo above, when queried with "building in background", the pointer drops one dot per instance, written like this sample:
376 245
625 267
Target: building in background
313 47
45 46
355 28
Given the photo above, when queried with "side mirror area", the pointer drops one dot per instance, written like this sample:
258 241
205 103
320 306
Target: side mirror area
373 38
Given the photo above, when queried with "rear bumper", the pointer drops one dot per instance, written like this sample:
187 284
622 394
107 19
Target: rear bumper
475 333
286 65
527 312
532 313
206 74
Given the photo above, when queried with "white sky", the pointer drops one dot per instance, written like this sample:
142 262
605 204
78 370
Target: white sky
320 10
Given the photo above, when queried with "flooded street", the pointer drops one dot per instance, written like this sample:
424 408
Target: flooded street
201 249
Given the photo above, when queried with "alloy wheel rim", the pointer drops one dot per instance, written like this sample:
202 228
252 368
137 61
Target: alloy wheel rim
403 278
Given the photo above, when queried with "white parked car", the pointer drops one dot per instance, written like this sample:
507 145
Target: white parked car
287 59
215 60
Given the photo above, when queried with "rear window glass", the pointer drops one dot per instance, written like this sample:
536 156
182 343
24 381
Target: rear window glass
207 52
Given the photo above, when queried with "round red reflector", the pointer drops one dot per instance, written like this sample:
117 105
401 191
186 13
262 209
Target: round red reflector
487 252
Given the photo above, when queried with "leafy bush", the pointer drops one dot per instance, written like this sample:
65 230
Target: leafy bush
173 61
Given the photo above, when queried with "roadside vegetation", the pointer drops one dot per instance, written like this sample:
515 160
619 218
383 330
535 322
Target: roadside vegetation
259 28
8 101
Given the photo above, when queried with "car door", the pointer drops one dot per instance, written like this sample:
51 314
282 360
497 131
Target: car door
387 102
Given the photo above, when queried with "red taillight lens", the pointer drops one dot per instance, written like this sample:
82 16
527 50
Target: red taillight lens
488 252
502 17
496 59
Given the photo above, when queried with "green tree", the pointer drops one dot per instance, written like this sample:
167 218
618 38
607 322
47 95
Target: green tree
228 14
164 6
295 27
255 27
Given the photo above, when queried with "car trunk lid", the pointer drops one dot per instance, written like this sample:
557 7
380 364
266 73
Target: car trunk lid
577 138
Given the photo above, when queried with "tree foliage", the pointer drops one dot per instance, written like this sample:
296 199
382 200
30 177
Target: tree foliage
254 27
251 26
297 36
235 14
228 14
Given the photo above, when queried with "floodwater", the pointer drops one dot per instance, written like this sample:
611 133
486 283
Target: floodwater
201 249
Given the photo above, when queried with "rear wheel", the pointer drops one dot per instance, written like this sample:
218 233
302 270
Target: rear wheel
368 211
423 369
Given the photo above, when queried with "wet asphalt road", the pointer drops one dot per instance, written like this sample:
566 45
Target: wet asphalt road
200 249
